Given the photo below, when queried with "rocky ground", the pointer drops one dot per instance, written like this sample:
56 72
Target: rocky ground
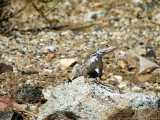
42 57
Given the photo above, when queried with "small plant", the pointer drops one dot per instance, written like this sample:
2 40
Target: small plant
45 8
3 3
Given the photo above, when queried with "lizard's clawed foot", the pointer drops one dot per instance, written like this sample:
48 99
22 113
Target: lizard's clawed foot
98 80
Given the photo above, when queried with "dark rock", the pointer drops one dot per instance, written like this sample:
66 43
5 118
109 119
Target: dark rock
27 94
62 115
150 52
27 72
11 116
17 41
97 29
4 67
141 43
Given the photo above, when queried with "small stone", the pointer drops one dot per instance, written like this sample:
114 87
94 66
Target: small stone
157 88
150 92
10 115
94 15
112 82
23 80
150 52
50 48
68 32
142 86
4 67
138 1
24 49
103 77
147 84
98 5
122 85
50 56
141 43
27 72
122 64
29 82
18 42
136 88
32 107
65 63
47 92
97 29
47 70
43 56
119 78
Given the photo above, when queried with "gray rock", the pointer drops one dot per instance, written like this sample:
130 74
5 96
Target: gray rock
95 14
136 88
11 116
95 101
138 1
50 48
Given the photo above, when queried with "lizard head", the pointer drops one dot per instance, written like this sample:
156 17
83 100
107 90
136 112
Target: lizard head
104 49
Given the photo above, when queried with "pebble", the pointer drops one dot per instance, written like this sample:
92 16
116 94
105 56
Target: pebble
119 78
29 82
141 43
47 70
94 15
50 48
138 1
65 63
27 72
122 85
122 64
136 88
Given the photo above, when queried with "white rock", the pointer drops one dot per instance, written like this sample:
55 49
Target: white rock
29 82
93 101
50 48
122 85
119 78
68 32
136 88
47 92
138 1
47 70
65 63
94 15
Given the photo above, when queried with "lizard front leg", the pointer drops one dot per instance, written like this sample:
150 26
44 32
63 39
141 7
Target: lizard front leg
100 66
85 73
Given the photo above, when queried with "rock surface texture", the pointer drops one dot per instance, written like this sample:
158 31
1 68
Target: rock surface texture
94 101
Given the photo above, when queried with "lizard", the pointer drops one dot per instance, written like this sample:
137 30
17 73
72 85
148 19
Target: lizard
91 62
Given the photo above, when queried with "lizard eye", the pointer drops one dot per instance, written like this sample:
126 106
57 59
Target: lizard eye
107 46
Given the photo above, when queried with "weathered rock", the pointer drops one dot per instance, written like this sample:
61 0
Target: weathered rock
118 78
138 1
28 94
141 63
122 85
11 116
122 64
27 72
50 48
94 15
96 101
4 67
145 67
65 63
